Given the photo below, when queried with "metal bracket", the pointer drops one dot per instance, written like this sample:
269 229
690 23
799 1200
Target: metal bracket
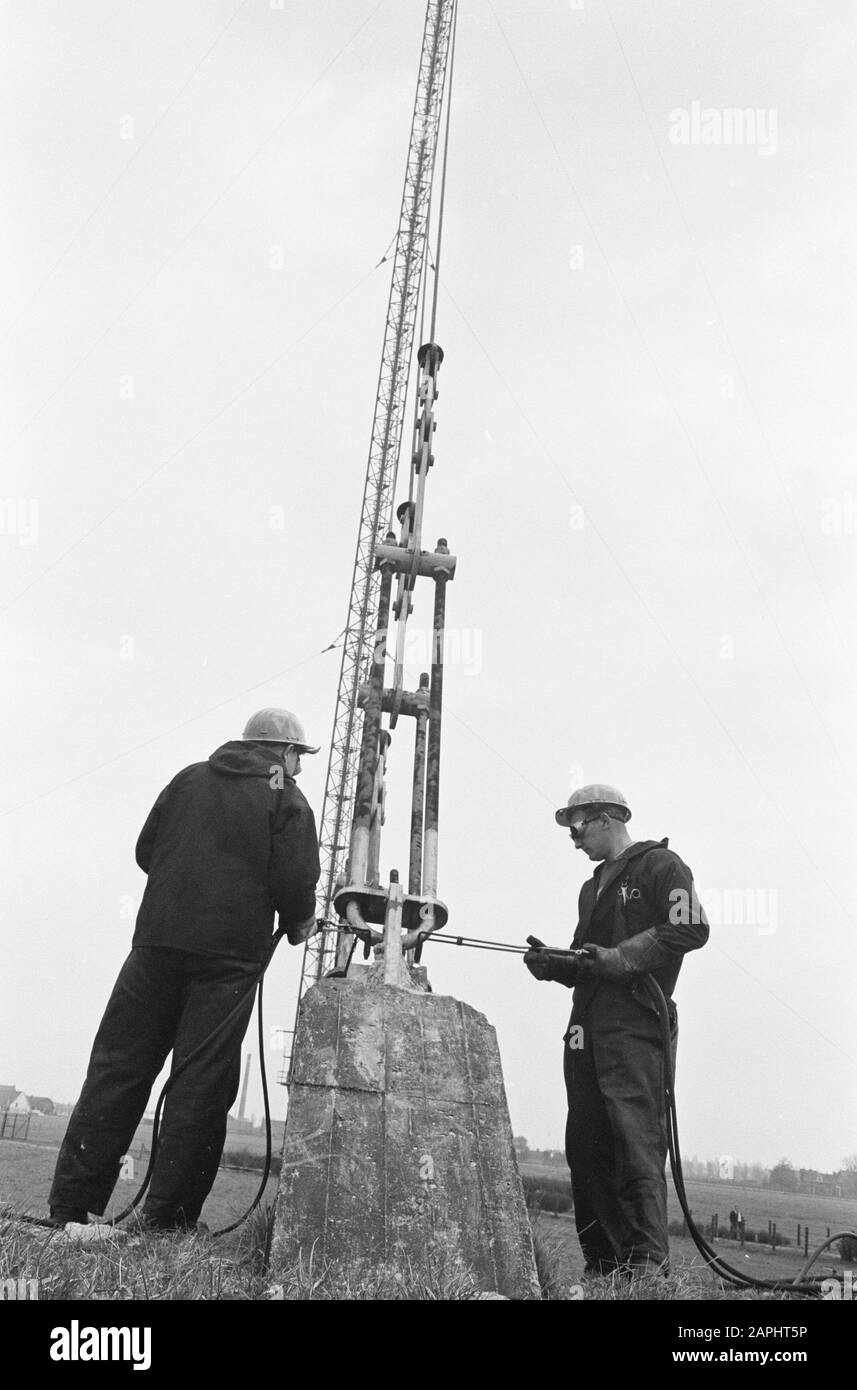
371 903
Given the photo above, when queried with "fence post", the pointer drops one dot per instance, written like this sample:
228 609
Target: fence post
806 1240
773 1235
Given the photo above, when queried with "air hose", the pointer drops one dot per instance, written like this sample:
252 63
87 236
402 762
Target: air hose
800 1285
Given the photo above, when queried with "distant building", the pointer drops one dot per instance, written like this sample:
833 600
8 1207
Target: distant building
234 1126
41 1105
817 1183
17 1103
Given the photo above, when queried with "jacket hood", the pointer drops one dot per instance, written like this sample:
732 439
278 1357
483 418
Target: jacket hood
633 852
240 759
643 846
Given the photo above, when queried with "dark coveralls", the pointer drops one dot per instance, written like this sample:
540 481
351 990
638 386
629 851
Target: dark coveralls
616 1142
227 842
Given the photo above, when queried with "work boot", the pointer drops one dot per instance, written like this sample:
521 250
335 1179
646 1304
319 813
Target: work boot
61 1216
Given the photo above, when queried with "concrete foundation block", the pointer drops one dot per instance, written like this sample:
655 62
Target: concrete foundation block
398 1144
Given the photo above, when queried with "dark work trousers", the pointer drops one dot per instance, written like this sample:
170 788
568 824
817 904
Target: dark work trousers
616 1139
163 999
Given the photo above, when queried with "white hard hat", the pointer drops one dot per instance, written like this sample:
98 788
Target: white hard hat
277 726
596 795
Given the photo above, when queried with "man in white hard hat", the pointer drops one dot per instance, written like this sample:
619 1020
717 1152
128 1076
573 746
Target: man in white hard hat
638 915
227 843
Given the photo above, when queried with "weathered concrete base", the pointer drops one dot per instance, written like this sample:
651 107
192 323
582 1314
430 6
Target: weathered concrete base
398 1143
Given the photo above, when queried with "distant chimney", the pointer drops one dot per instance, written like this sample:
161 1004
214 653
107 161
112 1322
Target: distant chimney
243 1104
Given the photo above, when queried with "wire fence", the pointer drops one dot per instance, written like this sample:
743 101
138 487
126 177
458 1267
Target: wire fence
14 1124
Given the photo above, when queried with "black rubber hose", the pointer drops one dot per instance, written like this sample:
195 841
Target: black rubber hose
811 1287
262 1185
156 1122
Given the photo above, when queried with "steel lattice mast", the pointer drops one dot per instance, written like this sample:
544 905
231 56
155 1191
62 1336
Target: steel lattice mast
387 427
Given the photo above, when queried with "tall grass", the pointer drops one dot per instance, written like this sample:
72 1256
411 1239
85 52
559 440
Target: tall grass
144 1266
136 1265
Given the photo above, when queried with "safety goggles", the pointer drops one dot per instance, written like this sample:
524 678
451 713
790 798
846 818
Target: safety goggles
576 831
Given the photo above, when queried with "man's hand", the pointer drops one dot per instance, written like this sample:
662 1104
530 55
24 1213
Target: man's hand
545 964
298 932
538 963
603 963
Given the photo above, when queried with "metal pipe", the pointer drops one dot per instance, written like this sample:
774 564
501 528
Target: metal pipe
478 944
373 869
354 917
433 747
409 704
418 792
369 749
401 609
427 562
429 356
395 972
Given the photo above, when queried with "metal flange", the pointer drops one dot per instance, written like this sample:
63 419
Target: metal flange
411 702
372 903
428 562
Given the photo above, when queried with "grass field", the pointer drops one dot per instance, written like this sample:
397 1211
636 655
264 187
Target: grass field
760 1262
759 1205
26 1170
233 1268
49 1129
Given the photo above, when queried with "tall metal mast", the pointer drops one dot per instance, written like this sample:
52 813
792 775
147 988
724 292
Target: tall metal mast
387 426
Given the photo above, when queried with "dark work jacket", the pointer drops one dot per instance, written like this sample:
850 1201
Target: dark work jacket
648 910
223 849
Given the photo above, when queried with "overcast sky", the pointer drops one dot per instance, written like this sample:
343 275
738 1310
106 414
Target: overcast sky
644 450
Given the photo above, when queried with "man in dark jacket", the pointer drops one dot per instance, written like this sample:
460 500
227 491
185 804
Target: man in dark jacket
638 915
227 843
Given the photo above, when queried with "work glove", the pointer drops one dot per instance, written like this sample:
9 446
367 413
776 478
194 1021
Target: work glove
544 965
604 963
538 965
298 932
